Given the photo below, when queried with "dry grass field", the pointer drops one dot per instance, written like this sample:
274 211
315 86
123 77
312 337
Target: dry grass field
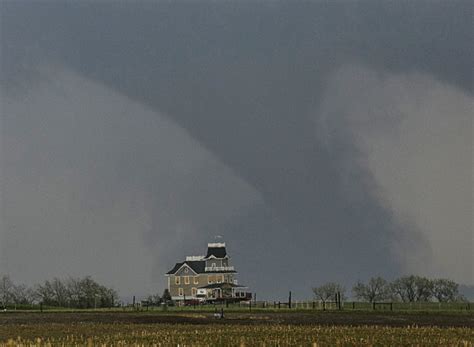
237 329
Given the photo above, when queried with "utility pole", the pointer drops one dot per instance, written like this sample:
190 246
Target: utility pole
289 300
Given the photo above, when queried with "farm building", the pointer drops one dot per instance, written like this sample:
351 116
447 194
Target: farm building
206 278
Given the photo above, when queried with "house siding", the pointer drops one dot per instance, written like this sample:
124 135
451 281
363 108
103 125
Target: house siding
187 288
202 280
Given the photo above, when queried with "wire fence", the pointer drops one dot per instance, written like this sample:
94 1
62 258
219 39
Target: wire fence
306 305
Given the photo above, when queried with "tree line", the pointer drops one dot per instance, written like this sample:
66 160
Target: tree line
404 289
70 292
156 299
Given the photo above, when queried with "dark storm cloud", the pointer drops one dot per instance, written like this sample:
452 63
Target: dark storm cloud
245 80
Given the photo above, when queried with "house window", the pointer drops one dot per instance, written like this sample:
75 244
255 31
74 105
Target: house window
220 278
177 280
186 279
211 279
194 291
196 280
180 291
186 270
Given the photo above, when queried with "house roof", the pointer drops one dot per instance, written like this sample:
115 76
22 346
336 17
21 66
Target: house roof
218 252
221 272
220 285
197 266
214 250
175 268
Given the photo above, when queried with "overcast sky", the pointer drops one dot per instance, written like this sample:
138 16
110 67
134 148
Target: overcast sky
323 140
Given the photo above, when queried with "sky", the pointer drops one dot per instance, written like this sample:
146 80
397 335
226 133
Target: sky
324 141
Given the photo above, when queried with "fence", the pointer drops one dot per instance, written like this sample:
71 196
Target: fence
276 306
355 306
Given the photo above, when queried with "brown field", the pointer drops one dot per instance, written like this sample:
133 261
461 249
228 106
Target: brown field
357 318
237 329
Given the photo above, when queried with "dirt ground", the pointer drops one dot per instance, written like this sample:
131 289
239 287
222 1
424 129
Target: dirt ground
352 318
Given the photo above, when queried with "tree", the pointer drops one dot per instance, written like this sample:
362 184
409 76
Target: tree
6 290
412 288
44 293
328 291
424 289
22 295
445 290
154 299
60 292
166 297
377 289
75 292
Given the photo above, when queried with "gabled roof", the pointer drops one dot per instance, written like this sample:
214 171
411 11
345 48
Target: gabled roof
197 266
175 268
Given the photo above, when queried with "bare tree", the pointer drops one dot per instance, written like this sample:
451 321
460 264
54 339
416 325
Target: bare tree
74 291
412 288
154 299
424 288
445 290
60 292
23 295
328 291
377 289
6 290
44 293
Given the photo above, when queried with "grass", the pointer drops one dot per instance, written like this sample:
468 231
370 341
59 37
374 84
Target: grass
89 334
239 328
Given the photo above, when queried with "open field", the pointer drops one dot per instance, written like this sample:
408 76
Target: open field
235 335
238 328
